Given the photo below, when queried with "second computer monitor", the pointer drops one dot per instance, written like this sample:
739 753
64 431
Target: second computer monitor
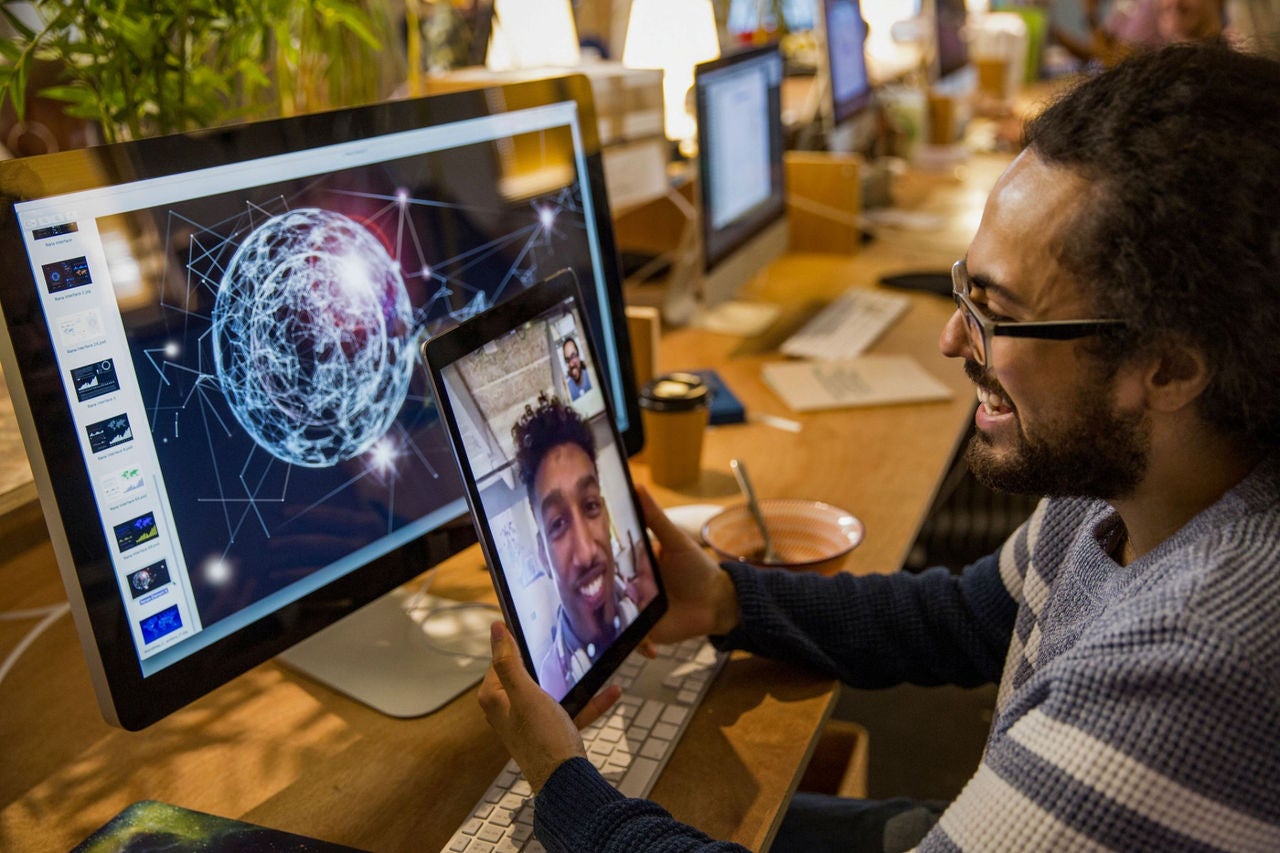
844 37
845 78
740 174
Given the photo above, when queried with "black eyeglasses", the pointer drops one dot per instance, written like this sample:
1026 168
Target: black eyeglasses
981 328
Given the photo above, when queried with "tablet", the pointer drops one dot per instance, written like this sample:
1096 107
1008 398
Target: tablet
547 480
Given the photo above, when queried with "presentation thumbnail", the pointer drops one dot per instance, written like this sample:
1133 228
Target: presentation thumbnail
94 380
152 577
135 532
110 433
123 483
159 624
54 231
81 328
66 275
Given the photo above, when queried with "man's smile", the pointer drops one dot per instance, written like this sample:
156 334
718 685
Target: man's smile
590 586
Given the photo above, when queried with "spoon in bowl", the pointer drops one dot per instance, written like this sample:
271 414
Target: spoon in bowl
744 483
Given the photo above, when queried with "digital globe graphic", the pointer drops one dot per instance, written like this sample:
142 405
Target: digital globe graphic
313 337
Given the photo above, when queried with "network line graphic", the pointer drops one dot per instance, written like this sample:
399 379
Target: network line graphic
299 324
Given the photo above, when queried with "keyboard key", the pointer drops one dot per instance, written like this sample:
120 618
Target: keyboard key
665 731
675 715
489 833
655 748
648 715
639 779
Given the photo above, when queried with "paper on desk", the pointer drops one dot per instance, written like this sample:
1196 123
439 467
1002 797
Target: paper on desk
869 380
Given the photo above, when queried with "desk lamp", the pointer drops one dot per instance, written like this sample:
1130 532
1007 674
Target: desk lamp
532 34
673 35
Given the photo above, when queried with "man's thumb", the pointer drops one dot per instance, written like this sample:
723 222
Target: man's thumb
505 655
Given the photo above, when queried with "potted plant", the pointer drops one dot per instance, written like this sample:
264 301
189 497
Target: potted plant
143 67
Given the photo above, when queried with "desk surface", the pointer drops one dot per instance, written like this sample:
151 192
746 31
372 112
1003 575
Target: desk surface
274 748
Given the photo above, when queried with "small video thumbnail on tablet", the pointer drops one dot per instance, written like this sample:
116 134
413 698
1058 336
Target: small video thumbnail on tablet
549 470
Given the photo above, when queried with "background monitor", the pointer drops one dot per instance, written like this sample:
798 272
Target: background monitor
747 17
844 40
845 77
743 223
951 47
212 344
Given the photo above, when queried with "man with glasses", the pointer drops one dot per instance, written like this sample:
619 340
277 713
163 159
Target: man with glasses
1117 312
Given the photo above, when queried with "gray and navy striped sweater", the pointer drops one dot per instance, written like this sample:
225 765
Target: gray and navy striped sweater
1139 706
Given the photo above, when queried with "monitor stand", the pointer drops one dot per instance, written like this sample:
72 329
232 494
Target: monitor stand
403 654
707 301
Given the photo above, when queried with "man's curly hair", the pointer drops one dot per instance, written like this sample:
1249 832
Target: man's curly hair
551 424
1179 234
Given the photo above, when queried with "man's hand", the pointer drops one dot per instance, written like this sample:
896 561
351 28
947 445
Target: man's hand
531 724
702 598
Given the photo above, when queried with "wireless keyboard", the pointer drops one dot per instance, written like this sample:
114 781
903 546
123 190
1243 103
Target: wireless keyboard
846 327
629 745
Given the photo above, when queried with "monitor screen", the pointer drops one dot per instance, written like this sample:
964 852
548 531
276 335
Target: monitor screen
845 35
952 49
740 150
747 17
213 347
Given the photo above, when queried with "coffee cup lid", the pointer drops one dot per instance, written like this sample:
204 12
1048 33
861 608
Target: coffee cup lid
674 392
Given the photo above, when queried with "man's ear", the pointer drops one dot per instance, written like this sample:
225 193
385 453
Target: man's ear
1176 377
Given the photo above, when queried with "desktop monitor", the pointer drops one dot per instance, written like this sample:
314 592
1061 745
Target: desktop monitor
212 343
844 76
951 49
748 17
743 222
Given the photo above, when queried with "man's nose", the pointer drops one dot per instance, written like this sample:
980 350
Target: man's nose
580 543
954 340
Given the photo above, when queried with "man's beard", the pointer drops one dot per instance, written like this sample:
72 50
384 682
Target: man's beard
1101 453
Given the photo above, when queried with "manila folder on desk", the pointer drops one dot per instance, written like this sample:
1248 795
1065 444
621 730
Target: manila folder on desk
869 380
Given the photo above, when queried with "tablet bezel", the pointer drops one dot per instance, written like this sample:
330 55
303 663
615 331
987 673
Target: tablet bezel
441 352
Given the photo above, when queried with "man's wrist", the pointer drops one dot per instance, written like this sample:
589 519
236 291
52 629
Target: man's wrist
727 613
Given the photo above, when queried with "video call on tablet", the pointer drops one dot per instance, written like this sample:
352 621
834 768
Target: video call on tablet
548 485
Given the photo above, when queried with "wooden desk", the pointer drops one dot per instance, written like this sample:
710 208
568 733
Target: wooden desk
274 748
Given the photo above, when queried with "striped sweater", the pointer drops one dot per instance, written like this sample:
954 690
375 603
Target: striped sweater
1138 707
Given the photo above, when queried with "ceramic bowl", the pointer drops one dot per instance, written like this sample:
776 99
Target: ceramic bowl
807 535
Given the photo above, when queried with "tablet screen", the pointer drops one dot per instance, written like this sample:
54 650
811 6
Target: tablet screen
548 485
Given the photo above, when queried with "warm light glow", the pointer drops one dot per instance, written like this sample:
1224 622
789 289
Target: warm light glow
895 35
674 35
532 34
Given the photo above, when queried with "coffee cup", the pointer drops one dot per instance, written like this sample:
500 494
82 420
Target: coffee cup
674 409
